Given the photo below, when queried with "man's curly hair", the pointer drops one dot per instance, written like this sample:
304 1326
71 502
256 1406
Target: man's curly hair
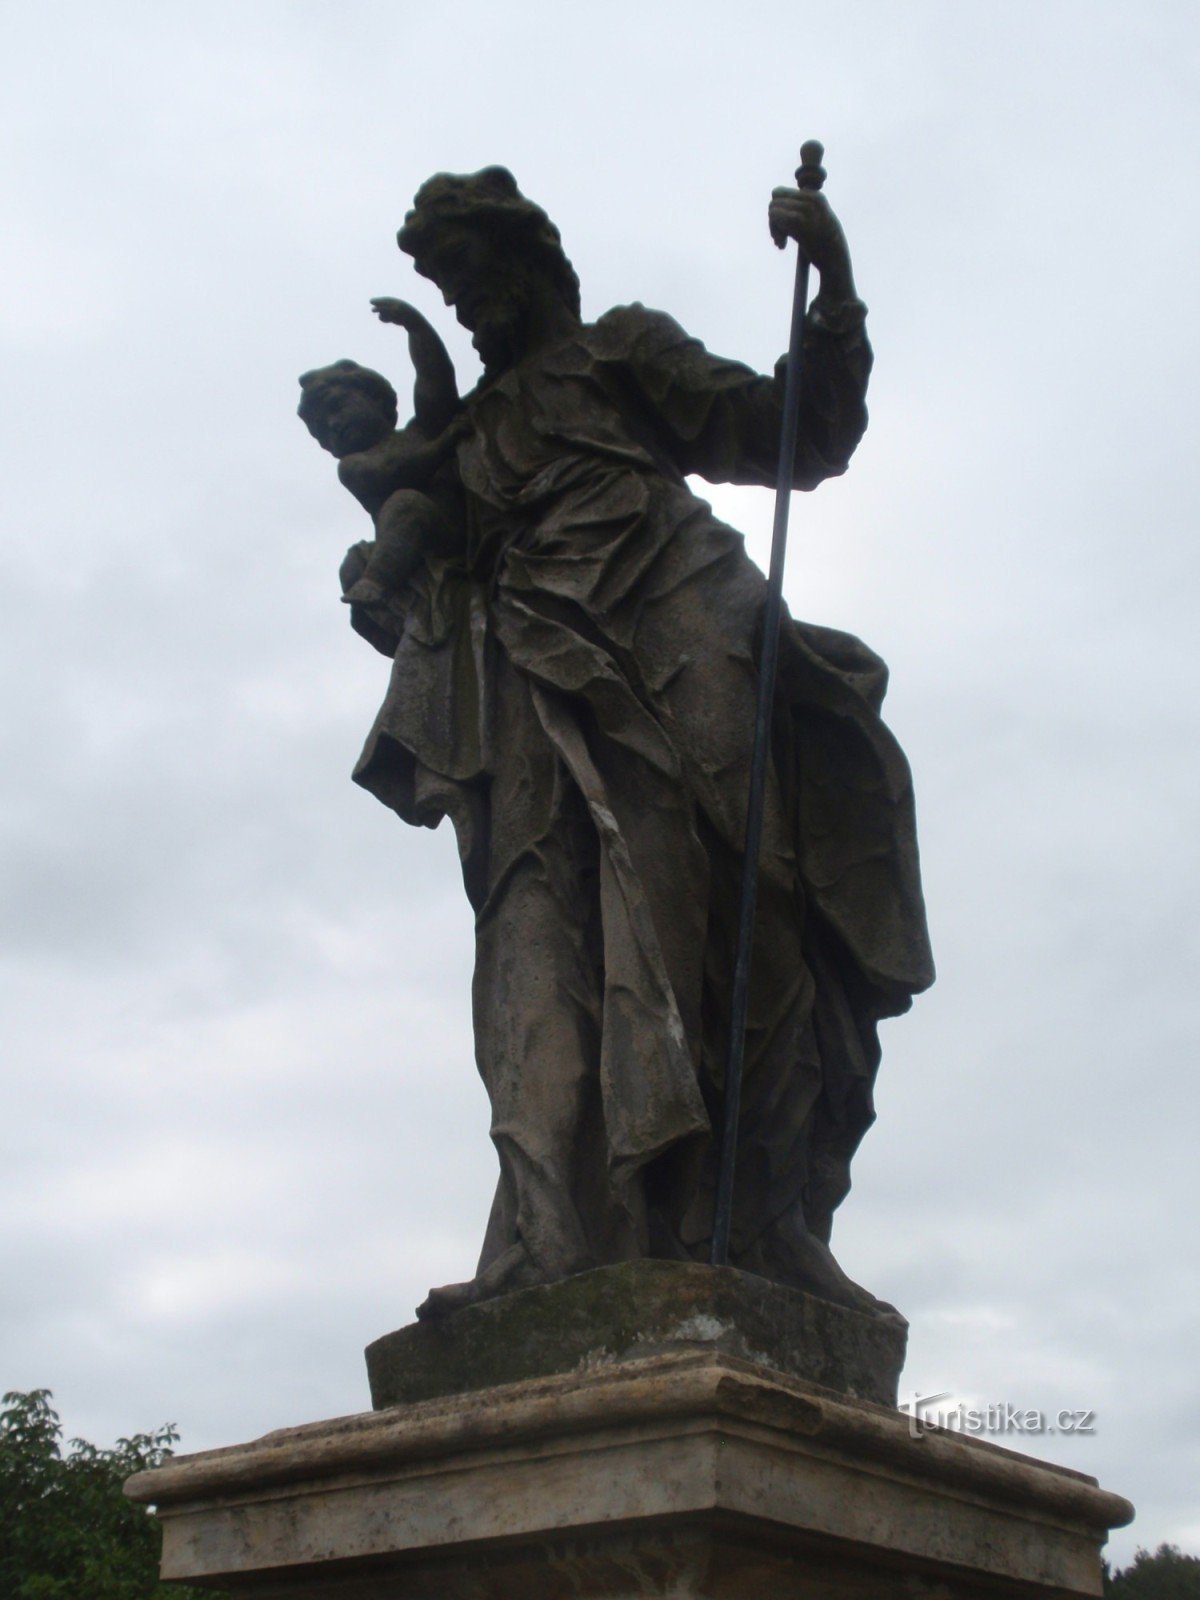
490 202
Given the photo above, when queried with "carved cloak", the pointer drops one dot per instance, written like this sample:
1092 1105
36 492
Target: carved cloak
577 695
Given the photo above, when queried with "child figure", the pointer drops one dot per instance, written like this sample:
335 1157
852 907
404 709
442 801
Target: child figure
402 476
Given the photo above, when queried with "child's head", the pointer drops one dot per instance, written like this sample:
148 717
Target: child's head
346 407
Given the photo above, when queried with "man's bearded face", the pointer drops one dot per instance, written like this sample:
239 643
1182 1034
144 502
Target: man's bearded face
490 287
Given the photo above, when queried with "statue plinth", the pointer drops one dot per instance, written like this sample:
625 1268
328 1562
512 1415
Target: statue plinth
688 1472
636 1309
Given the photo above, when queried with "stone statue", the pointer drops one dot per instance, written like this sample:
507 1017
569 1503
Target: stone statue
573 636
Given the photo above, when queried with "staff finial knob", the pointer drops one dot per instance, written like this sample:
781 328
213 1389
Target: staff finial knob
810 174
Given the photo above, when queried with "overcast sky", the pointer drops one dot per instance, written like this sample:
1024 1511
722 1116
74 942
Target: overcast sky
241 1128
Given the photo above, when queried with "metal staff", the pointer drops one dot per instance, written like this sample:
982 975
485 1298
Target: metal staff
809 175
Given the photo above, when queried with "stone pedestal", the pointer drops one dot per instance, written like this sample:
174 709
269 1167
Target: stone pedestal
640 1308
680 1474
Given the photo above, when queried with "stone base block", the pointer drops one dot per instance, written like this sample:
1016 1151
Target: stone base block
679 1476
636 1309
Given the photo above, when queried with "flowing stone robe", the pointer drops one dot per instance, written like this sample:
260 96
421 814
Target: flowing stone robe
577 694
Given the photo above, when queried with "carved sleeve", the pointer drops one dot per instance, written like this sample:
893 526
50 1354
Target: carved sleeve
721 420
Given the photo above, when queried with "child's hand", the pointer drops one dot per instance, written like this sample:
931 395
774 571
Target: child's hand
398 311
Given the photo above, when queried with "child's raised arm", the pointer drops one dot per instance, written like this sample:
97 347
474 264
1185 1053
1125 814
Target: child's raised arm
435 390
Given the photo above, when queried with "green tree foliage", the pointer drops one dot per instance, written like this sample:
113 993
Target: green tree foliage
66 1530
1166 1575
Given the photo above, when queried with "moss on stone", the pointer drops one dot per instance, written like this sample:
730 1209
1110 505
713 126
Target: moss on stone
639 1308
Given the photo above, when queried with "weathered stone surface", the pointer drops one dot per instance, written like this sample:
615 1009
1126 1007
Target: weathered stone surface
677 1476
575 641
639 1308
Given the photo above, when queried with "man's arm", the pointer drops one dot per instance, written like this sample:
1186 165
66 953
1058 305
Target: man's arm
719 419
